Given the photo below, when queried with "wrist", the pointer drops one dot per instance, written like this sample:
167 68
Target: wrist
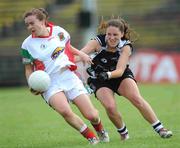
109 74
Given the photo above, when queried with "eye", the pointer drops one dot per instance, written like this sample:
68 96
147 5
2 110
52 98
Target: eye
108 34
31 23
26 24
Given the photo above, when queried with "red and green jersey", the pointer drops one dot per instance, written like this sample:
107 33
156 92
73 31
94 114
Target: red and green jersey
48 49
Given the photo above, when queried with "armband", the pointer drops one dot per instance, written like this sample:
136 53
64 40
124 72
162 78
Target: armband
109 74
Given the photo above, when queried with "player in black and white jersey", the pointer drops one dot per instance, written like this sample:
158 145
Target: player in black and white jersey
111 74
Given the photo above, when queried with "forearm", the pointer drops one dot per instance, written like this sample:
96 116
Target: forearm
91 47
116 73
28 70
77 59
78 54
104 76
75 51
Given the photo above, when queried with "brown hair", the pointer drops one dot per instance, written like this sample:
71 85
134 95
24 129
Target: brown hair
40 13
122 25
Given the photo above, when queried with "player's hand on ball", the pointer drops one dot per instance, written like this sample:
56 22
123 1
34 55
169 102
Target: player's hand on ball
35 92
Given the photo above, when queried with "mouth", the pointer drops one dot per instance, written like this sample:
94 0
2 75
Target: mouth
112 42
32 31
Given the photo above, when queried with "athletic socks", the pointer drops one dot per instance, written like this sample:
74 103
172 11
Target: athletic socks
122 130
87 133
157 126
98 127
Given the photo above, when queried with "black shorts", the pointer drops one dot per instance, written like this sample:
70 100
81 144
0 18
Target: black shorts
112 84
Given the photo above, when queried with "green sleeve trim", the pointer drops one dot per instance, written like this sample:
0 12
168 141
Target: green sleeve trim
27 58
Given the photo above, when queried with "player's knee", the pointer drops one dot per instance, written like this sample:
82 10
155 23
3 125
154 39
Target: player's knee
66 113
138 101
111 109
93 115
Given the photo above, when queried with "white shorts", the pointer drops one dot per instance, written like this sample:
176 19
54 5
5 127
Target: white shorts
68 82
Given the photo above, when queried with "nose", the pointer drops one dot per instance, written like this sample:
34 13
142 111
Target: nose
111 37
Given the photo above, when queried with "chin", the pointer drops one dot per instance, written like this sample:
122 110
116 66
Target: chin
112 46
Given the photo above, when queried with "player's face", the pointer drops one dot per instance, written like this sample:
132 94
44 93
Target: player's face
34 25
113 35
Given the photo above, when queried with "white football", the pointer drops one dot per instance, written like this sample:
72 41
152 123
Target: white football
39 80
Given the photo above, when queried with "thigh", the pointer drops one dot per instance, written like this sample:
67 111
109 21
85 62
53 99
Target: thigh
84 104
106 97
60 103
129 89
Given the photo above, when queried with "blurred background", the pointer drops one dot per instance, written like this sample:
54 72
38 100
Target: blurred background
157 51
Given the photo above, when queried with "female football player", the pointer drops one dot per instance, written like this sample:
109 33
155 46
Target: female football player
46 49
110 74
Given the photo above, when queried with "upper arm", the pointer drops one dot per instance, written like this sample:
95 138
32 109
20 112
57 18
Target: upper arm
122 62
124 57
28 70
91 46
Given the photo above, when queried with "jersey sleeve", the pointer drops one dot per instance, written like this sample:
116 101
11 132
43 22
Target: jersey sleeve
101 39
125 43
26 56
130 44
68 52
63 35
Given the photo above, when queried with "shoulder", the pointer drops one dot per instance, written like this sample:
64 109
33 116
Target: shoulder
61 32
60 29
101 39
123 43
26 41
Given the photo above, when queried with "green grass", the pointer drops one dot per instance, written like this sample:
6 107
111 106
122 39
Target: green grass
26 121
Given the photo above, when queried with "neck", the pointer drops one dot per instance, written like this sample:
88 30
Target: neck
45 32
111 49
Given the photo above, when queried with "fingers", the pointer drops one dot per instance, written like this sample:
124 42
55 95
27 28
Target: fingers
35 92
86 59
89 60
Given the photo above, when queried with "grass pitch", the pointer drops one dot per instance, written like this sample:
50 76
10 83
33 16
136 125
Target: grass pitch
26 121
